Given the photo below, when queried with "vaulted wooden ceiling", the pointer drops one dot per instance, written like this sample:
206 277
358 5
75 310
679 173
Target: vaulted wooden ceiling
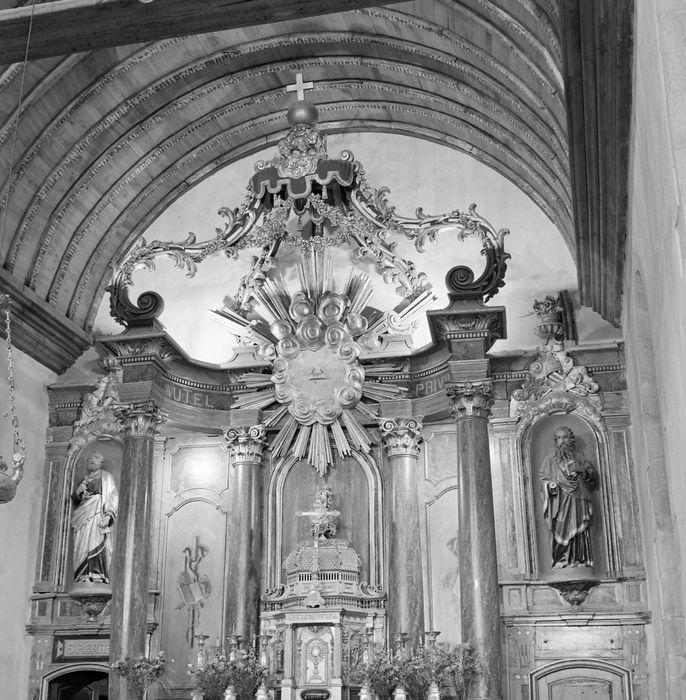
120 115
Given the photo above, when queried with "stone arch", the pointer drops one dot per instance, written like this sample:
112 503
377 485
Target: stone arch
96 669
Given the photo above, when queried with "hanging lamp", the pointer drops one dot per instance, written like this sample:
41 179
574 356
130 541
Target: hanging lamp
10 481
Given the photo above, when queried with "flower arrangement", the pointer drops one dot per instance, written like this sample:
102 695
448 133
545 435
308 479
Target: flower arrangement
140 672
450 666
463 663
241 669
382 674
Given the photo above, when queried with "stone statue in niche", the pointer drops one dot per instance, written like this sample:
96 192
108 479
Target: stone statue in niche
96 502
569 480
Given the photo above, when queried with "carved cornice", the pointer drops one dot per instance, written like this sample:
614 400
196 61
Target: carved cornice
36 330
455 324
470 399
246 444
401 436
131 347
140 419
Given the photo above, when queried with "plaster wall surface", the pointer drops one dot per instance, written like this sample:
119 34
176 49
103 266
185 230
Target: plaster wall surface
20 519
655 290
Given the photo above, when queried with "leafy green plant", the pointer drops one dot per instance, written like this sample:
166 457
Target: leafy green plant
242 670
140 672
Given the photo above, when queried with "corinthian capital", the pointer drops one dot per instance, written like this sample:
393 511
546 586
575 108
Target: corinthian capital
246 444
140 419
470 398
401 436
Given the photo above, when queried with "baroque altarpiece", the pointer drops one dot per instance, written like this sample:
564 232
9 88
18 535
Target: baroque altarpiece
331 489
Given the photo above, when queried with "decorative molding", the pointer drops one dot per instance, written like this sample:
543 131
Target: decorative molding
459 323
144 313
574 592
140 419
401 437
246 444
97 417
470 399
555 384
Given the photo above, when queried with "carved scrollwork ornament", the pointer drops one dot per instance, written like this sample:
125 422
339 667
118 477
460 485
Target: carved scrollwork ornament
401 436
97 416
148 308
246 444
470 399
556 385
140 419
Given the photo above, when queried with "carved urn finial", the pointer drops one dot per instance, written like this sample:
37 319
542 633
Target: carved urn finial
550 324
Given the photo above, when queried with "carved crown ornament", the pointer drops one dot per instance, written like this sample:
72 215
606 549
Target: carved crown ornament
308 342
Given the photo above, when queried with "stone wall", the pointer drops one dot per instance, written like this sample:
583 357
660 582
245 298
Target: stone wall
20 518
653 324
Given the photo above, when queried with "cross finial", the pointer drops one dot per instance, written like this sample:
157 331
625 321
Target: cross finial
299 87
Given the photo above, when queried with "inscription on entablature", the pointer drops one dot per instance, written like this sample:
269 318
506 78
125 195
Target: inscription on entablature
71 649
426 386
197 398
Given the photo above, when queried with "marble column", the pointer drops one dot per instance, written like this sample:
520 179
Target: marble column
244 543
131 556
401 440
479 594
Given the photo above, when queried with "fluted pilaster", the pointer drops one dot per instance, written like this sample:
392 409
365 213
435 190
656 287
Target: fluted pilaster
139 423
401 443
244 547
479 595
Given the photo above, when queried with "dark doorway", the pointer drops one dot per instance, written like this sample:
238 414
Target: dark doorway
79 685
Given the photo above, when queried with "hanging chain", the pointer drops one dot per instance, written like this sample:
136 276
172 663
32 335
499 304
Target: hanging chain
19 448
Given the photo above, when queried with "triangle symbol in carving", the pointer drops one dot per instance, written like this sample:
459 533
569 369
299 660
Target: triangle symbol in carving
317 375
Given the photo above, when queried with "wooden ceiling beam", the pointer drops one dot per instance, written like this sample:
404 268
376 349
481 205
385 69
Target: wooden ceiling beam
597 41
63 27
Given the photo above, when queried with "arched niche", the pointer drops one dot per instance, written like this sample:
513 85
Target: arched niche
112 450
581 678
534 443
192 563
355 482
443 565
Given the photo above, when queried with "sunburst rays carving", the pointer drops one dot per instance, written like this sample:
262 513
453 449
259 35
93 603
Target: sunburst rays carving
313 338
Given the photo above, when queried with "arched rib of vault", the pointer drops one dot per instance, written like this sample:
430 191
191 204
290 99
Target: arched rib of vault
511 119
